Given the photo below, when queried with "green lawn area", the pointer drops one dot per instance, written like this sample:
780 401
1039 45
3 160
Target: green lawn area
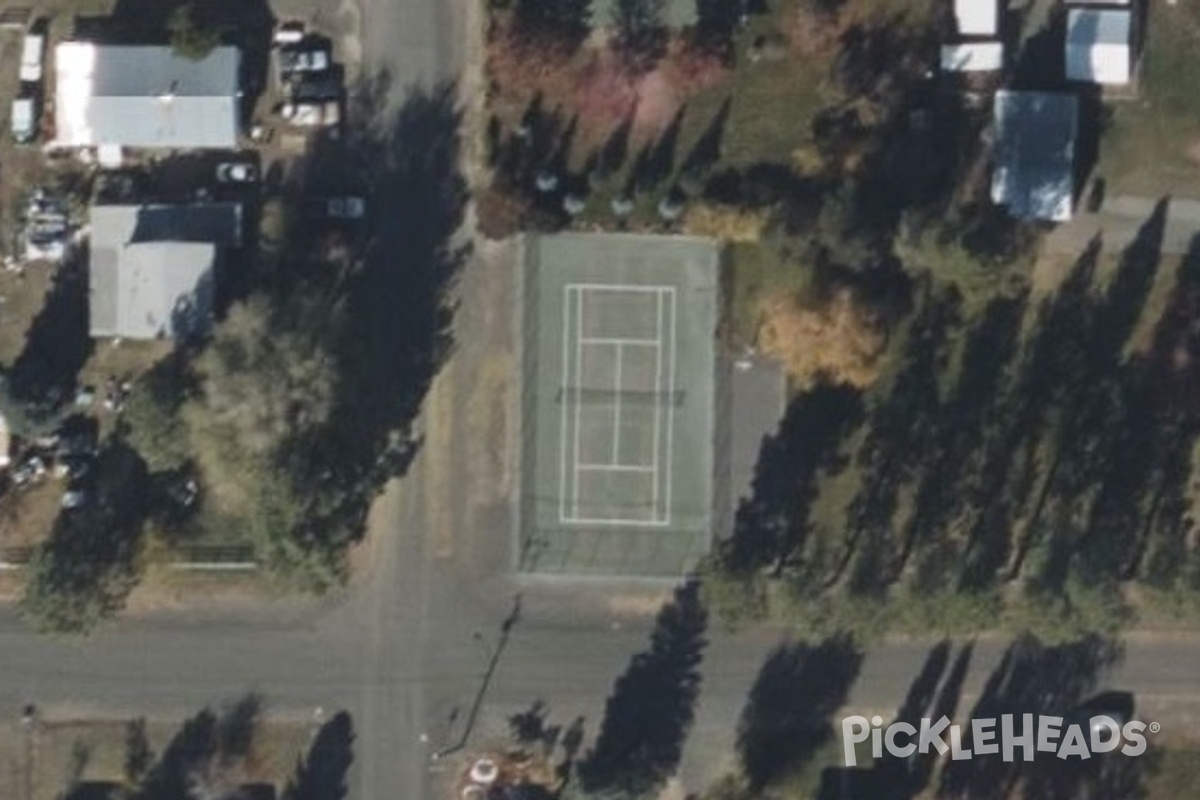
755 272
1176 772
1153 145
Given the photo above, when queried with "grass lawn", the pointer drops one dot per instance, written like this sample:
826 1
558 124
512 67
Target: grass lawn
1176 772
1153 145
755 273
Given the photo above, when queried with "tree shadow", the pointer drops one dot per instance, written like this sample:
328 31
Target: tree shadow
392 301
650 711
707 149
898 440
772 525
57 345
186 757
323 773
83 572
1031 678
788 713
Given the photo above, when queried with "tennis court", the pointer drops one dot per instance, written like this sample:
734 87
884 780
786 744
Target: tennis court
619 369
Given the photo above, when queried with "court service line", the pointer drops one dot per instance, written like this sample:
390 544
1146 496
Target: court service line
609 340
615 468
566 383
621 287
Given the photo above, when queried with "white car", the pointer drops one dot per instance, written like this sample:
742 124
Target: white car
236 172
24 120
32 51
289 33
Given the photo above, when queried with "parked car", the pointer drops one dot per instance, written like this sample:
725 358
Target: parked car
74 498
28 471
297 60
311 115
236 172
346 207
290 32
24 120
32 51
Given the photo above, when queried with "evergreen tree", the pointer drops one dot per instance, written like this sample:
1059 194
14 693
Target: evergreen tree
565 20
640 28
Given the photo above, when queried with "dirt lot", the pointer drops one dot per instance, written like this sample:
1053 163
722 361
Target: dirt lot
62 751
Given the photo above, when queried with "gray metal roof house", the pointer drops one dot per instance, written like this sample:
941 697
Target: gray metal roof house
152 268
145 96
1033 174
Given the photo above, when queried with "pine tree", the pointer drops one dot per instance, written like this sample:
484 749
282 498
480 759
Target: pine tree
640 28
568 21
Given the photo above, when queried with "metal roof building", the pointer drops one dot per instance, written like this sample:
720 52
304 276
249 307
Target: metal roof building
1034 157
145 96
152 268
1099 45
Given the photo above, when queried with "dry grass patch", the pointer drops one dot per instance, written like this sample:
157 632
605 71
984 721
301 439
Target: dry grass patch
839 342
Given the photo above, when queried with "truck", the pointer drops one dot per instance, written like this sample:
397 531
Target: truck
31 58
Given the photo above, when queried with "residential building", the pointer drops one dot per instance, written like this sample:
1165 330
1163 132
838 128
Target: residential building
1034 153
152 270
145 96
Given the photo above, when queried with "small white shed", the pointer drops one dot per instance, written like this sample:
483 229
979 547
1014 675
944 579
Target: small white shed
973 57
977 17
1100 45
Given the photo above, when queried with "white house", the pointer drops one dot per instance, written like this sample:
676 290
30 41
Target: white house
1100 45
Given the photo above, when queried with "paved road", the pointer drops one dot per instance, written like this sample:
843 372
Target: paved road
1121 219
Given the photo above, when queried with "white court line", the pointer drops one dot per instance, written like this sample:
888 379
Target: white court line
671 410
639 522
620 287
616 437
608 340
615 468
578 395
566 382
658 377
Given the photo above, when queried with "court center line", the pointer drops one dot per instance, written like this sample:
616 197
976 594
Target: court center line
616 438
566 383
658 397
578 396
670 470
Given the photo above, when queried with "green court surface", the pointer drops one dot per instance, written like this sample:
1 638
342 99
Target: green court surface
619 370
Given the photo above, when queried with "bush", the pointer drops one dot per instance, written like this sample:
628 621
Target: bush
192 37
